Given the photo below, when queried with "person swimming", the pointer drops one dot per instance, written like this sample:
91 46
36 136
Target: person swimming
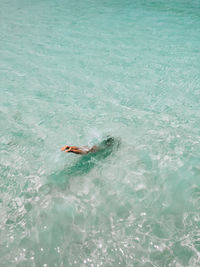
85 149
79 150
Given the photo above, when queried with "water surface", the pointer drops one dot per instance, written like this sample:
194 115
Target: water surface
73 72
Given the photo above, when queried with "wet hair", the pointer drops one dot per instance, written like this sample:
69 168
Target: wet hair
109 141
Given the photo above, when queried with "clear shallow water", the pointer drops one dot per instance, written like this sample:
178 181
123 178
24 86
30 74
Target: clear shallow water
71 73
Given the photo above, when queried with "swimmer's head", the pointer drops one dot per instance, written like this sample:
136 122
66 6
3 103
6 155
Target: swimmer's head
109 141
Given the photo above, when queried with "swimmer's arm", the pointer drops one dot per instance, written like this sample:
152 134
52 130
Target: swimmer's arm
77 150
74 149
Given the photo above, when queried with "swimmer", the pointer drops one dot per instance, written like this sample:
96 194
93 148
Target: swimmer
79 150
109 142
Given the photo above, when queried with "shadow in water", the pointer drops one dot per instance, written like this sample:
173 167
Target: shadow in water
87 162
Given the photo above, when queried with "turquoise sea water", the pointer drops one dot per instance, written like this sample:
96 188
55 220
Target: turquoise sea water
71 73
